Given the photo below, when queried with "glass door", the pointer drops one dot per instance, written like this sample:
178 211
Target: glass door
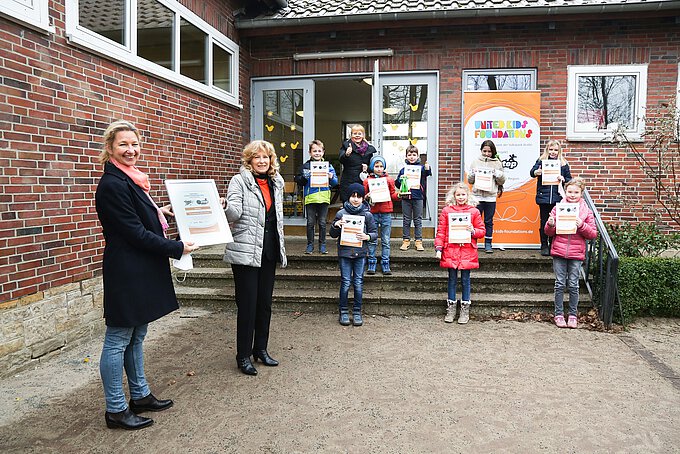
283 114
408 114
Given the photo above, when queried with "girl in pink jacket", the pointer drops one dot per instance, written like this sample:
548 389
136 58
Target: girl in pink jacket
569 250
460 225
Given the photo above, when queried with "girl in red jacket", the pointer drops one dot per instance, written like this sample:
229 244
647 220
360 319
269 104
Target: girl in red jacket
569 250
460 225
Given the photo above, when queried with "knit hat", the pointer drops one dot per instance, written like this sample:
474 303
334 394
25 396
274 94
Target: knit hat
357 188
375 159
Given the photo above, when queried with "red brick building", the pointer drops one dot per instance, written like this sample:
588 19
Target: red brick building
201 78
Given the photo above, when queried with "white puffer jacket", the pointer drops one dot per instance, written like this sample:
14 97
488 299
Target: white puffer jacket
245 213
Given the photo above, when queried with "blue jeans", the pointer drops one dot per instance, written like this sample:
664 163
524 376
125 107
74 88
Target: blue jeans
412 210
384 222
316 214
567 272
351 273
487 210
453 282
123 348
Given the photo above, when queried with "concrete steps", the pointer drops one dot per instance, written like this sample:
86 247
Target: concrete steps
508 281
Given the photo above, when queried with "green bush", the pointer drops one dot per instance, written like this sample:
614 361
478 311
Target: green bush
649 286
641 240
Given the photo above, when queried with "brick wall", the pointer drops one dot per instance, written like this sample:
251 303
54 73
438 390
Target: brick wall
615 181
55 102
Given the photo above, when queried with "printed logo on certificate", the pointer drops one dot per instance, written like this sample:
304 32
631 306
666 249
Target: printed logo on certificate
412 174
484 178
352 226
318 174
551 170
458 228
379 190
565 218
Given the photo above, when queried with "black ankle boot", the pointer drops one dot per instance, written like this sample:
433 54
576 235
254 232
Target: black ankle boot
246 366
149 403
263 356
127 420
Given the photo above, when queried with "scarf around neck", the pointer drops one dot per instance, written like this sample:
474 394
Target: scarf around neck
142 180
351 209
361 148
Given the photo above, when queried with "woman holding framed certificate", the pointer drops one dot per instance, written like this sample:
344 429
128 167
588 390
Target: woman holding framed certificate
255 212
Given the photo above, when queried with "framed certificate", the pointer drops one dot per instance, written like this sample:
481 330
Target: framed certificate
352 226
379 190
565 218
458 228
551 170
318 174
198 211
412 174
484 178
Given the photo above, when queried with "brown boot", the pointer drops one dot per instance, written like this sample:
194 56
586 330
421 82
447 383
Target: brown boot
419 245
405 245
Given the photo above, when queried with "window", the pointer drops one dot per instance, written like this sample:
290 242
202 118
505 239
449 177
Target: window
499 79
601 99
33 13
159 37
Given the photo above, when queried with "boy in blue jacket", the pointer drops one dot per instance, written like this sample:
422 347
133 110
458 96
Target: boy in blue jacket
352 259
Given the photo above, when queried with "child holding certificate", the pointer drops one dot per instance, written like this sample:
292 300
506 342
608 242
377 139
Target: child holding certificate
460 225
352 226
380 192
486 175
552 170
317 177
413 200
569 249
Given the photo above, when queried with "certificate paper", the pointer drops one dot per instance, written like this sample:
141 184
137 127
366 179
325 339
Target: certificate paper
352 226
198 212
412 174
484 178
458 228
551 170
319 174
565 218
379 189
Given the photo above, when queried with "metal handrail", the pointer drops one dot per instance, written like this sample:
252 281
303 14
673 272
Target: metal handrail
601 269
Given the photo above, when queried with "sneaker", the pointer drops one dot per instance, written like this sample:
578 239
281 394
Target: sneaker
559 321
572 322
405 245
419 245
322 249
370 272
344 318
310 249
357 320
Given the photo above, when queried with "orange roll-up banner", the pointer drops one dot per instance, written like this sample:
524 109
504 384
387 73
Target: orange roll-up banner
511 119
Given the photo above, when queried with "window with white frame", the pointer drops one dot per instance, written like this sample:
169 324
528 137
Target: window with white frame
602 99
499 79
33 13
159 37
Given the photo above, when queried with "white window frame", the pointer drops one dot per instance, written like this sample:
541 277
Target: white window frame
531 72
127 53
33 13
575 71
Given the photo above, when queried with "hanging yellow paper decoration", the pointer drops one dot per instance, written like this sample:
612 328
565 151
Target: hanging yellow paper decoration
292 127
413 141
283 144
270 128
283 158
294 145
270 113
413 107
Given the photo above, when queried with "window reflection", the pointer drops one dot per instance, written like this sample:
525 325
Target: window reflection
604 100
221 68
478 82
192 51
154 32
104 18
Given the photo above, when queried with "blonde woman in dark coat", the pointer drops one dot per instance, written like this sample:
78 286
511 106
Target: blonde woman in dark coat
137 283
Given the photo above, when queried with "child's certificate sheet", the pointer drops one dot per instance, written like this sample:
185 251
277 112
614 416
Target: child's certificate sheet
565 218
484 178
348 234
551 170
379 189
318 174
412 174
458 228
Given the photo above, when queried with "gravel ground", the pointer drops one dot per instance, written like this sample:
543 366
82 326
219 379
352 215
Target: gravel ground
399 384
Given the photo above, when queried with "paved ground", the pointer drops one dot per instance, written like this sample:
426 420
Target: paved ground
394 385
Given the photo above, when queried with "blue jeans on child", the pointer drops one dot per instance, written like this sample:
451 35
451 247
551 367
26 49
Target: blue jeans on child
412 210
453 282
123 348
567 272
316 214
351 273
384 223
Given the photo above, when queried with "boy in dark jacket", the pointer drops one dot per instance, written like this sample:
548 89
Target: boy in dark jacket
352 258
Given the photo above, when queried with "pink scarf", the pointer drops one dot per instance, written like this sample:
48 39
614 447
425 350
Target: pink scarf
142 180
